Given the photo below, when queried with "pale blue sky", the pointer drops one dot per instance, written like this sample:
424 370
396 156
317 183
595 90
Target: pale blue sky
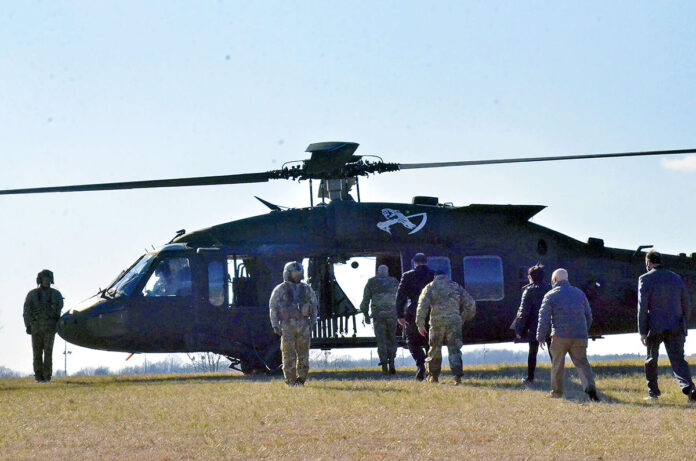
102 91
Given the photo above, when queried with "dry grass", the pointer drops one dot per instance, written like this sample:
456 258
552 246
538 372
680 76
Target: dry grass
344 415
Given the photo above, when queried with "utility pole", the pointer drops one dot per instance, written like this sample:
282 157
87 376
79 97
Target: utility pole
65 359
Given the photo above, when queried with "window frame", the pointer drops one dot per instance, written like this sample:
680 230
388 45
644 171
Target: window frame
222 288
502 275
153 268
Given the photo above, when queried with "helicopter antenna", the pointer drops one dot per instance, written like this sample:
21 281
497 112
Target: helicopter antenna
640 249
179 233
272 206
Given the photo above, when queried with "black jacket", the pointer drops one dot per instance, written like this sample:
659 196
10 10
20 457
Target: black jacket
410 287
525 324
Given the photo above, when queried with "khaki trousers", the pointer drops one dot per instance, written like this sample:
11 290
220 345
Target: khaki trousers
385 334
294 344
449 335
577 349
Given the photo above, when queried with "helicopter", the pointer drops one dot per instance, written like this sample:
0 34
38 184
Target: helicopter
208 290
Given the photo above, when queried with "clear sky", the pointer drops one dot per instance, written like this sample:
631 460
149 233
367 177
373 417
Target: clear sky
109 91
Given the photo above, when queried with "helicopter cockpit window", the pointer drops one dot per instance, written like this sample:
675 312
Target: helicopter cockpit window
125 285
216 283
172 277
483 277
438 264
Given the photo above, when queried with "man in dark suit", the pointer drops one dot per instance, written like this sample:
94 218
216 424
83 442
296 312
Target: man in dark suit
410 287
663 315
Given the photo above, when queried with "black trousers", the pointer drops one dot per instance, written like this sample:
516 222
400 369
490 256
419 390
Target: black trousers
417 344
674 343
532 357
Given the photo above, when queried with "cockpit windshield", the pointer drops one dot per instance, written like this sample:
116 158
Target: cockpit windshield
125 285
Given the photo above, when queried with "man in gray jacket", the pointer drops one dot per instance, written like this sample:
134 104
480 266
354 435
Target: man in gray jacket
663 315
566 312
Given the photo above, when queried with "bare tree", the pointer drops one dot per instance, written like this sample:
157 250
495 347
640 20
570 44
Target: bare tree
205 362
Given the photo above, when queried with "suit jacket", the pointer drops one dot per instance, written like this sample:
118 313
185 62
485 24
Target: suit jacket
410 287
663 302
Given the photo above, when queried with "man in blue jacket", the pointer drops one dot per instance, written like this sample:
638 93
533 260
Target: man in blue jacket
566 312
663 315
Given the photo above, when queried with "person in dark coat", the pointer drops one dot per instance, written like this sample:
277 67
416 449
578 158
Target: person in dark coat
527 319
410 287
663 316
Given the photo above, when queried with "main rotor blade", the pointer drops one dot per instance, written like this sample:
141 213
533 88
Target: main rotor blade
413 166
179 182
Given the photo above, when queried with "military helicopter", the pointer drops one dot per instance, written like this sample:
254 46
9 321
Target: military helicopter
208 290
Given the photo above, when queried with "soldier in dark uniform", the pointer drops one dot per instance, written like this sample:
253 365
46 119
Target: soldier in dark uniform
41 312
410 287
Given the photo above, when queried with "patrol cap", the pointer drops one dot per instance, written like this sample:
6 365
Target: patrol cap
44 273
420 258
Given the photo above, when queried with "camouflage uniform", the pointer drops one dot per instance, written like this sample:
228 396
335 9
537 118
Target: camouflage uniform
448 305
41 312
293 310
380 293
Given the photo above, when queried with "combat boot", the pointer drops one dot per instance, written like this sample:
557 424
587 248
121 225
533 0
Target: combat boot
420 376
290 382
392 370
300 382
592 394
433 379
457 380
385 369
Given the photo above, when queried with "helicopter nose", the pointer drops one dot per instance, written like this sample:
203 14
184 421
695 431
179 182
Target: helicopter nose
72 328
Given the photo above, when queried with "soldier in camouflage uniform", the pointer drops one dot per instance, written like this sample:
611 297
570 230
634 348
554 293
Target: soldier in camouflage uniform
293 310
449 306
380 293
41 313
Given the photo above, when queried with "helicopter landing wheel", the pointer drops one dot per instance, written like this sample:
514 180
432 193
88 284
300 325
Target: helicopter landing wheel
252 368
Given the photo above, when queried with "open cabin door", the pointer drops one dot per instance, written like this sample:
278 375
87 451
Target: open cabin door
339 282
336 311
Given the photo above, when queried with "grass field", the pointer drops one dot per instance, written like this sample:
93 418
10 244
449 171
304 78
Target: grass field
346 415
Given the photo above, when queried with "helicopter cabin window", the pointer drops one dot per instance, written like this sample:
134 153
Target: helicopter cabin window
171 277
242 287
483 277
216 283
438 264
